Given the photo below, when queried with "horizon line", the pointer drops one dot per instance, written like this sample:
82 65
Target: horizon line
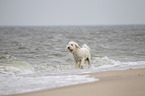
68 25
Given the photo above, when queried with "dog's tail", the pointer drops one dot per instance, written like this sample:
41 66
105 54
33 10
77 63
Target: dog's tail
85 46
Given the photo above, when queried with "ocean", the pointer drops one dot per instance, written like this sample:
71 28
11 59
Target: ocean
35 58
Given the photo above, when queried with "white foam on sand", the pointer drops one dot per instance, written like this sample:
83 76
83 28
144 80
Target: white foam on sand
41 82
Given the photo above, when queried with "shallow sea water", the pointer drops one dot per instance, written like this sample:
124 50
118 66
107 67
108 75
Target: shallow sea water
34 58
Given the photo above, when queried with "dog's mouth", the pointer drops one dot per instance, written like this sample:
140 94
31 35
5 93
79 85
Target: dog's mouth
70 50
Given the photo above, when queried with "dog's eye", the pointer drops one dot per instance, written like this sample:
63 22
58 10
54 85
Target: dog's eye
71 44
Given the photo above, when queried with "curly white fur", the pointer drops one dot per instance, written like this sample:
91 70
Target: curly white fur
80 54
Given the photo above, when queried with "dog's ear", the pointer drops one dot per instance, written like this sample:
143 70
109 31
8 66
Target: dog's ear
77 46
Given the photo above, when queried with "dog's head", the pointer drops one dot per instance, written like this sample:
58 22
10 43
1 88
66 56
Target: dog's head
72 46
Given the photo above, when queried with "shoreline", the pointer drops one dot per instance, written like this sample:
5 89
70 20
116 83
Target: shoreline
129 82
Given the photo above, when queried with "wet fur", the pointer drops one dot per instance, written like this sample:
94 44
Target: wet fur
80 55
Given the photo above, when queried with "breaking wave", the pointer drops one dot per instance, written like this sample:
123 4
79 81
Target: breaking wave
106 64
11 65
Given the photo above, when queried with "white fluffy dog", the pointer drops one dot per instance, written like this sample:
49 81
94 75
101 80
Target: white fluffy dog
80 54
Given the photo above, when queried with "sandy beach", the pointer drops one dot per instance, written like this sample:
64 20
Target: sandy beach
113 83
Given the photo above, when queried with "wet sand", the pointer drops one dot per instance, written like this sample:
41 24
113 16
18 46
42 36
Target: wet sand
113 83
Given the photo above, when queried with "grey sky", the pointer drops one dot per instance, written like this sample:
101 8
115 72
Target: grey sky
71 12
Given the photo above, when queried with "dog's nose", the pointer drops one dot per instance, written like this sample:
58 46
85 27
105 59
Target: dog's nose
68 47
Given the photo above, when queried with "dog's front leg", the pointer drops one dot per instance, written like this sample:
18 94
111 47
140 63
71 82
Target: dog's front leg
82 63
76 64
